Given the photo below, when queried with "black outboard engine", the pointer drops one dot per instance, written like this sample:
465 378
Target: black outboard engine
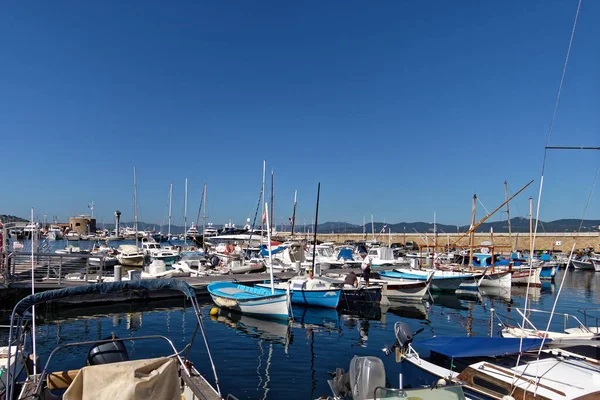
404 337
107 353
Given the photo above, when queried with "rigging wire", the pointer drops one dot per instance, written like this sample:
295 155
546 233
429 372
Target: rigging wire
542 180
589 199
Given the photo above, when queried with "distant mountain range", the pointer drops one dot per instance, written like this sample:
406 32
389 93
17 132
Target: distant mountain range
518 224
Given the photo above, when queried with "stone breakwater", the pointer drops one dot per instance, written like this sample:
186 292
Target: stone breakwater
557 241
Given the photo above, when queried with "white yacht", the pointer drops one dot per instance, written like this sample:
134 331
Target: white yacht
54 233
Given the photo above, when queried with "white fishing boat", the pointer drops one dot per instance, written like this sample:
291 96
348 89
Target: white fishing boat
583 264
522 276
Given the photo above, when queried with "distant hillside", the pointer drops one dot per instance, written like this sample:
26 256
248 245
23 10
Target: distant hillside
518 224
11 218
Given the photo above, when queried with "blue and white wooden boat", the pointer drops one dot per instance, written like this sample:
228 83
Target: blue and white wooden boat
442 280
250 300
313 292
491 368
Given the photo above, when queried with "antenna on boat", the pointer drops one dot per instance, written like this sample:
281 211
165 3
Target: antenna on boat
312 270
33 238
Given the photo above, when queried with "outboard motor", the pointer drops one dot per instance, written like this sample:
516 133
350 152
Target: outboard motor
214 261
404 337
107 353
366 374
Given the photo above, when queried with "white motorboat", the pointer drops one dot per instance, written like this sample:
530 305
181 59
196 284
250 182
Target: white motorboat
54 233
73 236
130 256
154 251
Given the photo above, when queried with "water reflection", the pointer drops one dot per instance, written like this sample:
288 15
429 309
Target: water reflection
271 331
409 309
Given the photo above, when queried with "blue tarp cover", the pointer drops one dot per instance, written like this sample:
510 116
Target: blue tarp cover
104 288
264 251
345 254
460 347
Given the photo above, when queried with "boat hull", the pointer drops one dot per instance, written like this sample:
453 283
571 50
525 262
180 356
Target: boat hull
248 300
136 261
442 280
585 265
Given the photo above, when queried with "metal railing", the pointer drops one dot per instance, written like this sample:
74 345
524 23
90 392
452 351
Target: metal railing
53 267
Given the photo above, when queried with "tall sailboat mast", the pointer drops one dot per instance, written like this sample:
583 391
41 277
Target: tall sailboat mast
185 214
272 199
264 178
508 214
294 213
135 215
170 209
204 217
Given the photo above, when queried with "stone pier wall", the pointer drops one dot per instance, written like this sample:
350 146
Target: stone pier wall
544 241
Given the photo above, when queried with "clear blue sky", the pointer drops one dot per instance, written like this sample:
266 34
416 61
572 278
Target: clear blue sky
398 108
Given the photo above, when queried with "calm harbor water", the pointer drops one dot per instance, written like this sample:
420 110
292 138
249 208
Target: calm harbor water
259 359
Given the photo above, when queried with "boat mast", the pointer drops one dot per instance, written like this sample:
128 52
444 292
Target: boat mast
170 208
33 239
434 238
472 229
204 217
372 228
508 214
294 214
312 270
263 220
272 199
364 228
185 215
135 216
270 252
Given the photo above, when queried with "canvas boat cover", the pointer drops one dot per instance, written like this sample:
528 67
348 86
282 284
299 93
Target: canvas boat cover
345 254
104 288
154 378
264 251
461 347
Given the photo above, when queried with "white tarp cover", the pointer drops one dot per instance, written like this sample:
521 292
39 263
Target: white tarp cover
154 378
